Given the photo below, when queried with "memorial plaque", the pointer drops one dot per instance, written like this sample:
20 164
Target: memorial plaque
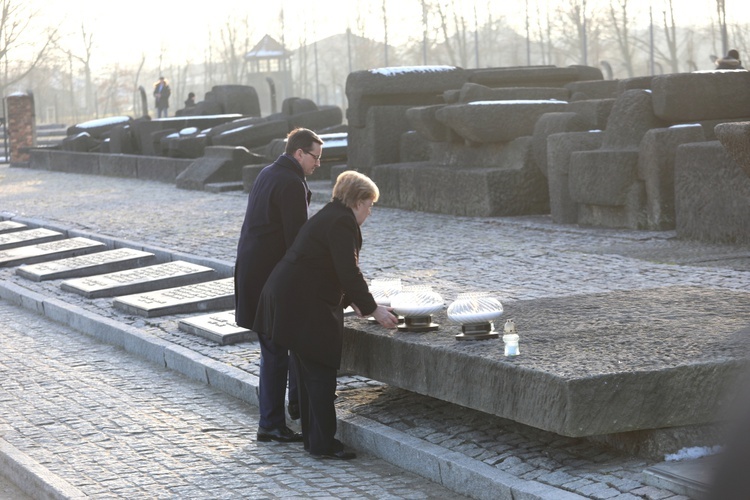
28 237
211 295
87 265
144 279
218 327
52 250
9 226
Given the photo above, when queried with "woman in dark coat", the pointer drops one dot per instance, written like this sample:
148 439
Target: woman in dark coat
302 304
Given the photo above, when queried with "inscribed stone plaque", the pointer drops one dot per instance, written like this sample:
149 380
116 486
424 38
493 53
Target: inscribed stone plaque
9 226
87 265
139 280
211 295
28 237
52 250
218 327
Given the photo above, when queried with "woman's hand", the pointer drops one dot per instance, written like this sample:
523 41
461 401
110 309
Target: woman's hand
384 316
356 310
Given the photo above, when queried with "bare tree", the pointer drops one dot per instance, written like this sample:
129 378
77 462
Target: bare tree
721 13
85 59
18 33
620 20
235 40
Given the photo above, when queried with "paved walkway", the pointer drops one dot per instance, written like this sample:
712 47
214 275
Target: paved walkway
129 428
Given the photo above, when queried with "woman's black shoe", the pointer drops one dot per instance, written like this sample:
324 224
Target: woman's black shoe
283 435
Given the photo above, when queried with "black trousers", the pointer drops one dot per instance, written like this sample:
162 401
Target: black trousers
317 391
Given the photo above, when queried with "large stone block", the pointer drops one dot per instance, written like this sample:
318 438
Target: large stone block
681 97
534 76
99 128
471 92
656 169
602 177
573 377
154 168
319 119
559 147
735 137
118 165
218 164
595 111
496 121
420 86
251 136
423 120
377 142
712 195
75 162
631 117
513 187
491 155
553 123
593 89
239 99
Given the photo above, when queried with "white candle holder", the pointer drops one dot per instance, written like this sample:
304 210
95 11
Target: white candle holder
476 312
417 304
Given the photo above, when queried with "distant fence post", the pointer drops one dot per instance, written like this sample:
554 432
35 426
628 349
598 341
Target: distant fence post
20 127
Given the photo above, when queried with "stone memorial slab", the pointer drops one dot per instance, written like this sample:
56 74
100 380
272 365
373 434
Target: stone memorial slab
52 250
218 327
108 261
28 237
9 226
211 295
139 280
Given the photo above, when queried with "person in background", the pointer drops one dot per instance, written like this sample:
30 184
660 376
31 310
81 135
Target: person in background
302 305
161 97
277 207
730 61
190 101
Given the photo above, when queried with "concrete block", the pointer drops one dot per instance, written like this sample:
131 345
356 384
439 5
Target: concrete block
319 119
154 168
656 169
378 142
471 92
233 381
553 123
601 177
680 97
421 86
631 117
592 89
119 165
185 361
533 76
735 137
218 164
596 111
496 121
712 195
559 148
423 120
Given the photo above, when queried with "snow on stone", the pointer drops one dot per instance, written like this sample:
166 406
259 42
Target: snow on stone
114 120
398 70
519 101
685 125
693 453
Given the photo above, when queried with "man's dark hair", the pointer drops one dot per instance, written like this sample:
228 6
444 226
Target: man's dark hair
301 138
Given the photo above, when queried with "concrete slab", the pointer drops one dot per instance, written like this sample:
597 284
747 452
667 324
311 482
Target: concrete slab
51 250
28 237
218 327
211 295
87 265
9 226
139 280
654 358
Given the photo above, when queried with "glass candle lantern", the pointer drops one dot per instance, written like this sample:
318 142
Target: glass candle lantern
417 304
476 313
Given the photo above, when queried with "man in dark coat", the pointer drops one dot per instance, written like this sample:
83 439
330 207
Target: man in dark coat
277 207
161 97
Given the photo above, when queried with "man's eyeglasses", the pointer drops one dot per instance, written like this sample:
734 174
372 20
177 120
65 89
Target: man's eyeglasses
317 157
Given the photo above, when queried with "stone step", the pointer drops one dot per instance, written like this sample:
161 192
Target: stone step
9 226
223 187
691 478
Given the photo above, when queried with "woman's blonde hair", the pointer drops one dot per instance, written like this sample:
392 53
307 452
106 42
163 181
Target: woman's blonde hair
352 187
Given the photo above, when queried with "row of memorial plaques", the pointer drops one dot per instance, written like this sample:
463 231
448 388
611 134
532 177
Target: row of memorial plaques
140 286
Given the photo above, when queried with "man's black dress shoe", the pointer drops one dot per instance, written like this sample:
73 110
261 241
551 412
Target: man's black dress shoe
283 435
293 409
337 455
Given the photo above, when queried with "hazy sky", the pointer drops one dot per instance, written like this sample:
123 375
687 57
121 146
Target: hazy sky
126 30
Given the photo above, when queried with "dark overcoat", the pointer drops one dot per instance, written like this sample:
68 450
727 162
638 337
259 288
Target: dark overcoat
276 209
302 304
